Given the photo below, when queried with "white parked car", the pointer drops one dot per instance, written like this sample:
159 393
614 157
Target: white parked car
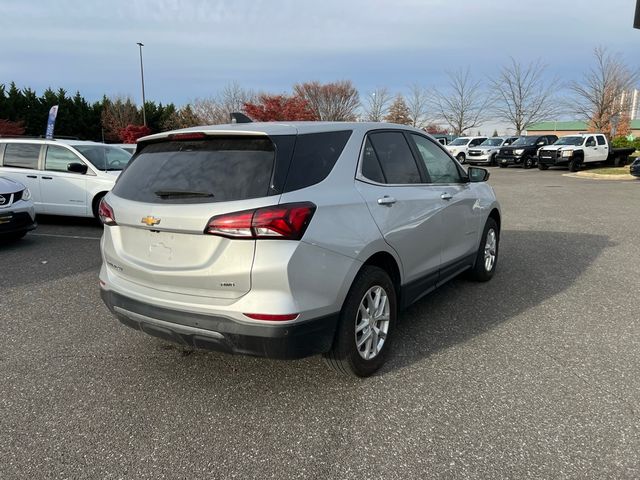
459 148
486 152
65 177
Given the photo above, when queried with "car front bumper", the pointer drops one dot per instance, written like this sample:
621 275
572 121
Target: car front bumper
509 160
486 158
219 333
552 159
17 218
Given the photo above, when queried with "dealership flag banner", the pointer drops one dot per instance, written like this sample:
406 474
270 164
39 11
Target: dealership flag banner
51 123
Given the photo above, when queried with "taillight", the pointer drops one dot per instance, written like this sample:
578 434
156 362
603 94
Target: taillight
105 212
285 222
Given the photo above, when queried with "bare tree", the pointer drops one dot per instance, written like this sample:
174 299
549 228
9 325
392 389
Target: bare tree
463 105
377 105
521 96
418 104
216 110
336 101
602 96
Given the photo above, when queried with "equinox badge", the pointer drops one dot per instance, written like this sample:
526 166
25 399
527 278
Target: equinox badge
150 221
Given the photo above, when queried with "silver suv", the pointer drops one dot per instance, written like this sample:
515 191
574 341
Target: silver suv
288 240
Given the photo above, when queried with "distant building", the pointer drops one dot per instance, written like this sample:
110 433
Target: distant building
567 128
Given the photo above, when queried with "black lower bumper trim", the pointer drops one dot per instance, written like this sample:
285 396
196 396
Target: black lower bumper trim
16 222
289 341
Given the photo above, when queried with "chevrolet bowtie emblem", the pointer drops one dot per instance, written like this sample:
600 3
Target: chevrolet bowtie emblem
150 221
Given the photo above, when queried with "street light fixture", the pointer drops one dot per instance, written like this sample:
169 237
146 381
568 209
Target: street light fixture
144 115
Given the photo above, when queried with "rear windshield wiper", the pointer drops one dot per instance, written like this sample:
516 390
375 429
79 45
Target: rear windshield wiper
181 194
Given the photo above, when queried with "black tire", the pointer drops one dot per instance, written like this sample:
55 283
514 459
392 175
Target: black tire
527 163
344 356
492 161
574 164
620 161
460 158
503 165
542 166
479 272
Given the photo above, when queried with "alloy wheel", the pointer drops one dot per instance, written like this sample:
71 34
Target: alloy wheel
490 250
372 322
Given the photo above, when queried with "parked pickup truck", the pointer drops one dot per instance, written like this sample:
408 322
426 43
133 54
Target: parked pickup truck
524 151
576 150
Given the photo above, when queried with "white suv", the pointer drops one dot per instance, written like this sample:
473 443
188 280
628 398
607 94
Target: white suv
65 177
459 148
287 240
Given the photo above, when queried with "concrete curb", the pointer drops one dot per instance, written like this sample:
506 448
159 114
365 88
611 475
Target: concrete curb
597 176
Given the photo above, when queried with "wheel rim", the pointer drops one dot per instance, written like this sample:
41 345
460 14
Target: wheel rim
490 250
372 322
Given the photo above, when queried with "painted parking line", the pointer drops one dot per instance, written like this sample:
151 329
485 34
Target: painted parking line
78 237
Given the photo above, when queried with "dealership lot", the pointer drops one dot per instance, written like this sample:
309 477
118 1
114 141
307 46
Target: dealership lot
534 374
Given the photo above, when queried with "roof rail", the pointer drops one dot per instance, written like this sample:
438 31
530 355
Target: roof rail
41 137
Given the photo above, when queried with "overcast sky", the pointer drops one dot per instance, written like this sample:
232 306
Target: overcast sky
194 47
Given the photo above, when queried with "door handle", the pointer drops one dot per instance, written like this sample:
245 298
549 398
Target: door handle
47 178
386 200
446 196
32 176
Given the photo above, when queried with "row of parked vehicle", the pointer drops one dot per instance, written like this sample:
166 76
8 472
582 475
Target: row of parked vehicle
57 177
542 151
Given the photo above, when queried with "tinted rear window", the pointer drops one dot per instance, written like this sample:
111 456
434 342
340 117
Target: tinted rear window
314 157
214 170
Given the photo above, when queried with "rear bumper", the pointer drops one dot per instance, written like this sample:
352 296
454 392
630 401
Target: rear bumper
289 341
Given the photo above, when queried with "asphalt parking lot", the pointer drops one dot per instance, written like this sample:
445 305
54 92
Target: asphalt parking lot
535 374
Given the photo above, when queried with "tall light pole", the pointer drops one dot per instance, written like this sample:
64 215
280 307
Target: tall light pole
144 114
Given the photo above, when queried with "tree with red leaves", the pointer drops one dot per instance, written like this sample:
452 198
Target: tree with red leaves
7 127
270 108
131 133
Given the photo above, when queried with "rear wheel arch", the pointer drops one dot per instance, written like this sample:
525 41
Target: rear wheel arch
95 203
388 263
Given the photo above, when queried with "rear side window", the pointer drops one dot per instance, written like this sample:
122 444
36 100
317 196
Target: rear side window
314 156
218 169
601 140
21 155
396 159
370 164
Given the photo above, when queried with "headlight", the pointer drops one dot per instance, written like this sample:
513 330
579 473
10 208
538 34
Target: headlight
519 151
567 153
26 194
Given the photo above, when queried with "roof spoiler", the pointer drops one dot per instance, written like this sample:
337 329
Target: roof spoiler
237 117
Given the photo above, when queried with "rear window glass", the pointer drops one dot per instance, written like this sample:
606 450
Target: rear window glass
213 170
314 156
21 155
601 140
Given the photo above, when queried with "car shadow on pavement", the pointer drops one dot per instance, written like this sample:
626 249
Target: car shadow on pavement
533 266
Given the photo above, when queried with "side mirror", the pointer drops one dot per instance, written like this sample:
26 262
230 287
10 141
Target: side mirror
77 167
477 174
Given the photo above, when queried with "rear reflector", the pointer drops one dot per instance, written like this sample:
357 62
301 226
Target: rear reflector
271 318
187 136
105 212
285 222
